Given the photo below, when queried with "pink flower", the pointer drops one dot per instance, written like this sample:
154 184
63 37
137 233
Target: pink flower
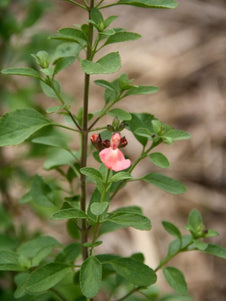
112 157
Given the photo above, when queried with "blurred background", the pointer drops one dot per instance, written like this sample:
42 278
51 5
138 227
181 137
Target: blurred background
183 52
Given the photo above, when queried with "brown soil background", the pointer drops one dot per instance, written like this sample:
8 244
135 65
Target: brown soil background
183 52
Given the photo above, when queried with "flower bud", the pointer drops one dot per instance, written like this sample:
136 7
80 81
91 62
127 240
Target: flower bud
123 142
121 126
116 124
97 142
110 128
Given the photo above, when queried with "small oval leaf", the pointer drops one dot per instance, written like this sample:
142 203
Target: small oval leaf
90 276
69 213
159 160
175 279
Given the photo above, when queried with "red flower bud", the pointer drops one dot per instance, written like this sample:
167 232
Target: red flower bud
123 142
97 142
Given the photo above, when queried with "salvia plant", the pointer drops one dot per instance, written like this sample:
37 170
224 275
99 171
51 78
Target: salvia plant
43 268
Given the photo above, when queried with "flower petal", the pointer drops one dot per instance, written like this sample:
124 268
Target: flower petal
114 159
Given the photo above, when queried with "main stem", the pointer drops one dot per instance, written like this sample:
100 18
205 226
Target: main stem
85 134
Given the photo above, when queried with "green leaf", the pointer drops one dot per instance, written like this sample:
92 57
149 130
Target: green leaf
177 134
159 160
150 3
54 109
37 249
128 209
90 276
141 90
140 120
71 35
165 183
92 245
105 84
134 271
17 126
59 157
98 208
129 219
46 277
48 91
66 50
121 114
69 213
216 250
92 173
176 244
171 229
63 63
107 227
120 176
109 20
195 224
175 279
22 71
20 280
108 64
50 137
122 37
69 253
9 261
41 193
143 132
42 58
97 19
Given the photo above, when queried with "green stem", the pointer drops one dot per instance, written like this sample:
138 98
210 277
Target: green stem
58 294
168 258
84 134
109 5
96 227
64 126
63 103
101 1
136 289
77 4
102 113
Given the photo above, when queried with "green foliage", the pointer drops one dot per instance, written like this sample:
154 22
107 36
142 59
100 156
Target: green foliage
159 160
30 72
38 249
121 176
165 183
9 261
91 173
107 64
69 213
150 3
90 276
19 125
121 114
98 208
46 277
175 279
128 218
172 229
134 271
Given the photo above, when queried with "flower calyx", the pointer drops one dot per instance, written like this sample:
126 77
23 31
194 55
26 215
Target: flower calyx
116 126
